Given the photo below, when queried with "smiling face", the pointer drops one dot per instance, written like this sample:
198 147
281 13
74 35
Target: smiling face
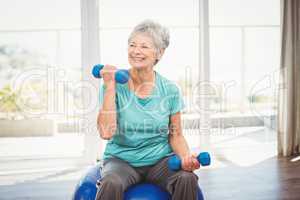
142 52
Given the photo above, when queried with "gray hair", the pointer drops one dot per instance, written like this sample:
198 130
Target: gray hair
159 34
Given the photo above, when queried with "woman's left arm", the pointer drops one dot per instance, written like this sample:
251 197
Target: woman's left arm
176 138
179 144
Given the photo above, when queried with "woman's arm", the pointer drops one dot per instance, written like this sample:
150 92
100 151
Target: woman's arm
176 138
179 144
107 118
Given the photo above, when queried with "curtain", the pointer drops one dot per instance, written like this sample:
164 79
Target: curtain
289 92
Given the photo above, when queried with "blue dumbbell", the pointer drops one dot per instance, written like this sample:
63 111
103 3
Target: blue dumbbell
121 76
174 162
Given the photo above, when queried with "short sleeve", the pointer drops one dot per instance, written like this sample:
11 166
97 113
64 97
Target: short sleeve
177 103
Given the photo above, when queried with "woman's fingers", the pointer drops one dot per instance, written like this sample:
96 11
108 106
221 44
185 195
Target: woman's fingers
195 161
196 164
190 163
108 73
187 163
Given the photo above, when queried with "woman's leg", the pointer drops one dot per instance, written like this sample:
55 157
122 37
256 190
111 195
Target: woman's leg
180 184
116 176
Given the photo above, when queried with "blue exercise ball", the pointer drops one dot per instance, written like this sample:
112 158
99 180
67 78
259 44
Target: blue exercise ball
146 191
86 189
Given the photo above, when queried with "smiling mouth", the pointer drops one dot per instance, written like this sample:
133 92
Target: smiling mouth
137 59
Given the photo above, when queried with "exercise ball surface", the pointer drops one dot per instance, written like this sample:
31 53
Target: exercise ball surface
146 191
86 189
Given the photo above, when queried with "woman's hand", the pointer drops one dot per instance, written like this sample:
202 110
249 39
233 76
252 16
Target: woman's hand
190 163
108 74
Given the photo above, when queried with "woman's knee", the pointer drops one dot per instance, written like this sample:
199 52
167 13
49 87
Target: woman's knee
112 181
185 177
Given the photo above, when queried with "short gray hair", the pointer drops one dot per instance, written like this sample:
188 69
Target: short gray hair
159 34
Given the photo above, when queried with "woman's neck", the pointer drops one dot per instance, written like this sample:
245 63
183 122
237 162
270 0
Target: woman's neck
141 76
142 81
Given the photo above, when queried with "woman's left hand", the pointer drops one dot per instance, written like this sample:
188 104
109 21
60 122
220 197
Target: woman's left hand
190 163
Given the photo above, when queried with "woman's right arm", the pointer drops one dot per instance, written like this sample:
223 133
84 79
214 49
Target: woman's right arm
107 118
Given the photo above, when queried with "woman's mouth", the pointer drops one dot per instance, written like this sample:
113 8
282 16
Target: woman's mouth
137 59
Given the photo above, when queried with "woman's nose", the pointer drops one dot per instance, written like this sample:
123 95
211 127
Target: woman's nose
137 50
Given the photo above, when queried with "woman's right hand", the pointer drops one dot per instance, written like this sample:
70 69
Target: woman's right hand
108 74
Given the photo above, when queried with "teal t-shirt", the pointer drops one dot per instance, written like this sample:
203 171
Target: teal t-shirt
142 123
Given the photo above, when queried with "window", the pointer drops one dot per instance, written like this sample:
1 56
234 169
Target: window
40 48
244 48
244 60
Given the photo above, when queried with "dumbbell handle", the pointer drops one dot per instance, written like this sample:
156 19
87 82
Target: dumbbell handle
121 76
174 162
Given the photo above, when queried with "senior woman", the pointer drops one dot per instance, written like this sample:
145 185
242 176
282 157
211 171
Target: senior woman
141 121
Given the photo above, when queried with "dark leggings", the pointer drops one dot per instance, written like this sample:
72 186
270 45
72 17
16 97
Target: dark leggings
118 175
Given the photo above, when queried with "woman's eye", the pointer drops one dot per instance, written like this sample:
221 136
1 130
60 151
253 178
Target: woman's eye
144 47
